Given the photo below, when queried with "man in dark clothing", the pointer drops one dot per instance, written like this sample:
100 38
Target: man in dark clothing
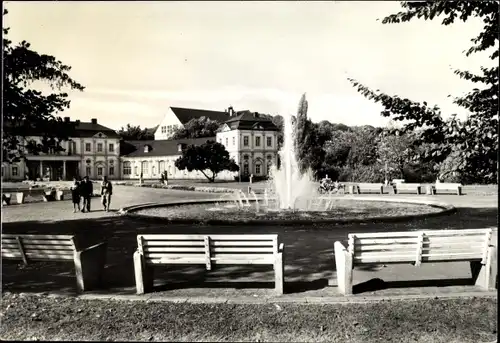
86 191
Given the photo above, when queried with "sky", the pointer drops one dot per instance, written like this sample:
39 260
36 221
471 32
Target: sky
136 59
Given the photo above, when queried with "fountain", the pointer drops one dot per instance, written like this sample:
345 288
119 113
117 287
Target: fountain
288 184
289 196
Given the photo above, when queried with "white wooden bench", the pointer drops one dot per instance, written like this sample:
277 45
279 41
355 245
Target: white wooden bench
89 260
443 187
369 188
417 247
408 187
208 250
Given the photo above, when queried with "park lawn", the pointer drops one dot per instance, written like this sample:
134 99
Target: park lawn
463 320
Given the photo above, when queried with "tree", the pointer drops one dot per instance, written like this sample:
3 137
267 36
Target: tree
197 128
210 156
476 138
28 112
135 133
397 153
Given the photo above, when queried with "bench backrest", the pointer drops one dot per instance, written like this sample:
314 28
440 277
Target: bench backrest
419 246
370 185
443 185
38 247
407 185
208 249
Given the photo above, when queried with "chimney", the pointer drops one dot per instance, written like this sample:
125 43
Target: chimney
256 114
231 111
94 121
66 119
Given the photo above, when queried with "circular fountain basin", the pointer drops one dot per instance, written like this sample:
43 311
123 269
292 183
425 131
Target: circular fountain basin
341 210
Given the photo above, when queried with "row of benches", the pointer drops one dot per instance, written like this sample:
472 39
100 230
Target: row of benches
416 247
46 195
417 188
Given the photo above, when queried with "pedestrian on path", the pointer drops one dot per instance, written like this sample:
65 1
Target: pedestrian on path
75 195
86 190
106 192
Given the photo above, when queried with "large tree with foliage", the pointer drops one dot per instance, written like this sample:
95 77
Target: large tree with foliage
197 128
28 112
210 156
474 140
135 133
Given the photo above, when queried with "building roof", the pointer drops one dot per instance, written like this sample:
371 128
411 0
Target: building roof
82 129
186 114
89 129
158 147
246 120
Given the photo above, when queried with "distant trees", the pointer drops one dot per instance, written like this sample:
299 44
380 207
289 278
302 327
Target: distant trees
197 128
472 144
26 110
210 156
135 133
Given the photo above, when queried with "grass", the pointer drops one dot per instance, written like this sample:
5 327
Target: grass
430 321
341 209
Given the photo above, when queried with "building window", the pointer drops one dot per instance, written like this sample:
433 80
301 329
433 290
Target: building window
127 168
163 129
99 147
111 147
88 171
245 140
257 169
88 147
227 141
111 170
153 170
136 170
257 141
99 171
245 169
144 167
234 141
269 141
161 167
14 171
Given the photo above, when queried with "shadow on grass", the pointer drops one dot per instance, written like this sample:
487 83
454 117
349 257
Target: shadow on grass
308 257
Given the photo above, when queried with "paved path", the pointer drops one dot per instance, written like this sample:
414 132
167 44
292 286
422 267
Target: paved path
308 255
122 196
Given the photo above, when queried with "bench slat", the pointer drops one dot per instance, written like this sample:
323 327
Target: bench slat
242 250
49 257
167 249
384 258
41 237
173 243
193 260
369 241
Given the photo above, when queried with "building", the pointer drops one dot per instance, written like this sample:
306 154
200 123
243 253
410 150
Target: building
151 158
250 138
177 117
93 150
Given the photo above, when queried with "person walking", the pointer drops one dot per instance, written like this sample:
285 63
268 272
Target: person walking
86 190
106 192
75 195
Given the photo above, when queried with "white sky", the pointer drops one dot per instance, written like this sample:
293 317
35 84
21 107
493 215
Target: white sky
138 58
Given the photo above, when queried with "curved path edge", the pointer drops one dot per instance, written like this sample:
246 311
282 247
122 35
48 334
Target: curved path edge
353 299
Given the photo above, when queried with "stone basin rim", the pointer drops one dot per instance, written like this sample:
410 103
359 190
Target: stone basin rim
130 211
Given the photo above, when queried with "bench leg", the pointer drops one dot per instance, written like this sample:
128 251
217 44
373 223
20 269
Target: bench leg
459 191
144 276
485 276
89 267
279 274
343 262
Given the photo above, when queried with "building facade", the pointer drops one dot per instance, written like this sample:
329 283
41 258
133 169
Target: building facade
250 138
93 150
